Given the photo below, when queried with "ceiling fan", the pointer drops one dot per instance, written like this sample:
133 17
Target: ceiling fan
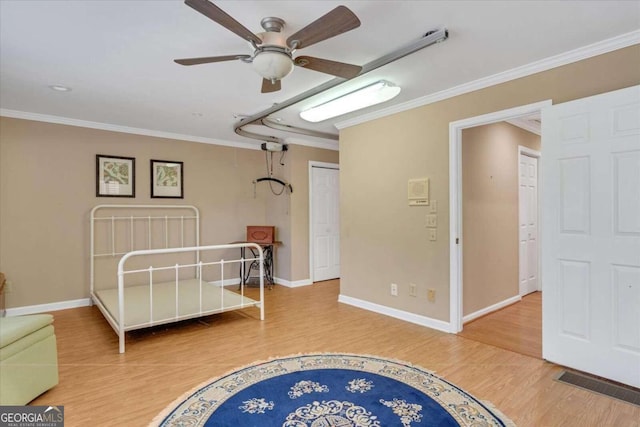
273 53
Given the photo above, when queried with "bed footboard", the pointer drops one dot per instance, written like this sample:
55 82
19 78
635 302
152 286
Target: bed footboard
160 302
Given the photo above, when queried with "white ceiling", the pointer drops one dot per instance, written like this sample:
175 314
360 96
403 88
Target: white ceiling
117 56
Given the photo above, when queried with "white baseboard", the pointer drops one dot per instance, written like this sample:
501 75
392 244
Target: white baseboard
398 314
490 309
294 284
45 308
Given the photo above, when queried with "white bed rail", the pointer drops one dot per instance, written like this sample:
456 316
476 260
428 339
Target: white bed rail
119 324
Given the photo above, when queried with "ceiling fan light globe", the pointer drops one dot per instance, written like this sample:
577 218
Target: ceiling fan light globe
272 65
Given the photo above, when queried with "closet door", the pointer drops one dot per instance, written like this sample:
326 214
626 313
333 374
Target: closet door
325 220
528 224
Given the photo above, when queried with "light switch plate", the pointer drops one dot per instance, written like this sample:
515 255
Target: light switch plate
433 206
433 236
432 220
413 290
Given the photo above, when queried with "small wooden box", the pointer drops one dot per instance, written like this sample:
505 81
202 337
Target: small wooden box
260 233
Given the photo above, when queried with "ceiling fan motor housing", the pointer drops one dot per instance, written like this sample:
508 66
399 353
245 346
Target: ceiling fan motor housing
272 24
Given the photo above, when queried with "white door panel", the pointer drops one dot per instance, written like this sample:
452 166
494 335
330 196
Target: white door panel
591 235
626 177
326 223
528 224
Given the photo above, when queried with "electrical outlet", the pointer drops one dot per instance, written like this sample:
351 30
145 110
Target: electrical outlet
394 289
431 295
433 234
413 290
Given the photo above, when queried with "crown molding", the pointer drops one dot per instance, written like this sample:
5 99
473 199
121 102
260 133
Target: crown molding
15 114
585 52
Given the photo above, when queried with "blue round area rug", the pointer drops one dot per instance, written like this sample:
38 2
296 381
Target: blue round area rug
330 390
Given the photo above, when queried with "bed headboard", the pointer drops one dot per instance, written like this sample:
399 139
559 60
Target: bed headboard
119 229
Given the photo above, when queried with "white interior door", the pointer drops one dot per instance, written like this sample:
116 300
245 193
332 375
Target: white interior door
325 222
590 217
528 224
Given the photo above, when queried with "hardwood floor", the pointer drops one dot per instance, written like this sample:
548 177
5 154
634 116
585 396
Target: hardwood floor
100 387
517 327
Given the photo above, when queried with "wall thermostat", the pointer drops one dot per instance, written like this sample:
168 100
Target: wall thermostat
418 192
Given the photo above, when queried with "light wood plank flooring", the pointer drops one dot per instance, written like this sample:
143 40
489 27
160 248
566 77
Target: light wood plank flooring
517 327
100 387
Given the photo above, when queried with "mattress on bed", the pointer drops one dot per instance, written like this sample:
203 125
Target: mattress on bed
215 299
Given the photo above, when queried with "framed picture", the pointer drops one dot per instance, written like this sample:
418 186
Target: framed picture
166 179
115 176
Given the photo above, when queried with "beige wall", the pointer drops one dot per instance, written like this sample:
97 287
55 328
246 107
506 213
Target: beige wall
290 213
47 188
383 240
278 210
490 161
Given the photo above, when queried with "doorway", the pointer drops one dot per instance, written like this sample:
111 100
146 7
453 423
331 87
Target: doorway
457 229
500 245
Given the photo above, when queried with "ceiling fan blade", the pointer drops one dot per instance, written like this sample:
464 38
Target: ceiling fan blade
218 15
268 86
209 59
338 21
340 69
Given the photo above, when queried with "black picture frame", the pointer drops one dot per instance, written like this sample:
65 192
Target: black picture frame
167 179
115 176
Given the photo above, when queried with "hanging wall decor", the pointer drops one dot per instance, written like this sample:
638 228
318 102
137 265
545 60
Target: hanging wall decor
115 176
167 179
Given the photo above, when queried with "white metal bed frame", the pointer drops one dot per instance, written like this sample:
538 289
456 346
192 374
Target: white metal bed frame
132 219
117 317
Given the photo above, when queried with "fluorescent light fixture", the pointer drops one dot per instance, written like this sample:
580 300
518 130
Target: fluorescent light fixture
372 94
